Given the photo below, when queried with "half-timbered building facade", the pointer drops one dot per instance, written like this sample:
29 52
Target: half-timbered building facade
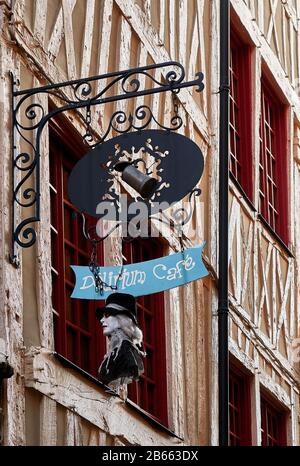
54 342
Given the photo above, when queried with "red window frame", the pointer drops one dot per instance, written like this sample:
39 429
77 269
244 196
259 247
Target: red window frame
150 392
239 408
273 423
78 335
273 189
240 119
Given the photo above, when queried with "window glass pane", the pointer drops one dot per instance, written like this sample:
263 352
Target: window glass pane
70 259
151 399
148 328
53 170
54 249
84 350
149 364
71 306
84 314
55 297
66 173
69 222
71 344
54 213
83 259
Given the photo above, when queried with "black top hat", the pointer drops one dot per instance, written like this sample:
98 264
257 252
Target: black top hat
119 303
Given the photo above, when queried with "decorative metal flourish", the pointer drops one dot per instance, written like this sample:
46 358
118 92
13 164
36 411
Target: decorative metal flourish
30 117
180 216
140 119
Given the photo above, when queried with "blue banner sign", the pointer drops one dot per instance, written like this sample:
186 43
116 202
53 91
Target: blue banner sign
143 278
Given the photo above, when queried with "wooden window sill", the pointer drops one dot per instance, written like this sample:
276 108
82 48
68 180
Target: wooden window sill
151 420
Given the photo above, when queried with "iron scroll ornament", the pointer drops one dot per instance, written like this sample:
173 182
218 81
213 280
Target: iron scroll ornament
30 117
175 161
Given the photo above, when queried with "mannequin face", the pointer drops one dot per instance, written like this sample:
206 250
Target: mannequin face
109 324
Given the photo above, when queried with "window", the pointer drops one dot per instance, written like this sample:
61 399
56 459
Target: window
150 392
273 163
78 335
240 114
239 408
273 424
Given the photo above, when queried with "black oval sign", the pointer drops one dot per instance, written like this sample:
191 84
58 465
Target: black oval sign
178 161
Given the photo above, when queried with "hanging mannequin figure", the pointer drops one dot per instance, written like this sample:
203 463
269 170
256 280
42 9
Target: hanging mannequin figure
123 361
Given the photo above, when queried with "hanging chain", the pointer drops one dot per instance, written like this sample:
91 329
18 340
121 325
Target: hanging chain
181 241
175 101
88 120
175 107
94 265
95 269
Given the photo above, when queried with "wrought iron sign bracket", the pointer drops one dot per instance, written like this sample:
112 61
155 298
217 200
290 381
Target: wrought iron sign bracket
29 118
